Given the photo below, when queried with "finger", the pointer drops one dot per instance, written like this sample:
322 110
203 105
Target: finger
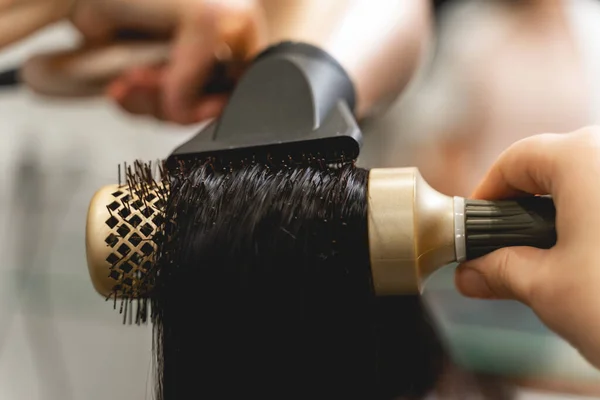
209 106
141 101
528 166
153 17
192 61
124 84
138 91
147 77
118 89
244 30
508 273
14 4
93 23
19 22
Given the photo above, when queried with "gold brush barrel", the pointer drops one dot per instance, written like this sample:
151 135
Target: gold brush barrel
121 243
411 233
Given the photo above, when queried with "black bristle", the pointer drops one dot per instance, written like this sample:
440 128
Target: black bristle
278 157
141 206
141 199
125 303
130 313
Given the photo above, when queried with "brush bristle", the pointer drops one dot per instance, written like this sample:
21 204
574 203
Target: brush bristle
140 231
277 157
136 225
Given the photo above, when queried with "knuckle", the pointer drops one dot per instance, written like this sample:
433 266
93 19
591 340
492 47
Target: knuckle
536 156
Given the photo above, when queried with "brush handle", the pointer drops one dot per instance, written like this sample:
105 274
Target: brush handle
491 225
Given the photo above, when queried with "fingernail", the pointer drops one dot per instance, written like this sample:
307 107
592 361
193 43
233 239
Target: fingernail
472 284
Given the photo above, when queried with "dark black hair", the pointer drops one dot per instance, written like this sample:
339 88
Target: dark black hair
264 291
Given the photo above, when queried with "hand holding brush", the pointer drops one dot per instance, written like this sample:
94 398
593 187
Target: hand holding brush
561 284
273 182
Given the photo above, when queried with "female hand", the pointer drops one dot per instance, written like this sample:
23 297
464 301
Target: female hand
200 33
562 284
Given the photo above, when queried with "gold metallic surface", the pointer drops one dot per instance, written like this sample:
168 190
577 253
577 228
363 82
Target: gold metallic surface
411 230
119 254
96 249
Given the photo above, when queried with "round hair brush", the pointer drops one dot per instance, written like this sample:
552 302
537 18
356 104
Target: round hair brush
293 110
413 230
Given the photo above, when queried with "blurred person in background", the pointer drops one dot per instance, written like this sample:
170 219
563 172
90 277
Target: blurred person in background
501 70
369 41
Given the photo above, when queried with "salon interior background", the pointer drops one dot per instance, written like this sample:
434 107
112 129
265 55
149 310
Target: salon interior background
60 340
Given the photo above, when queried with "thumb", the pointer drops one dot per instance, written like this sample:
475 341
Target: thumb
507 273
192 61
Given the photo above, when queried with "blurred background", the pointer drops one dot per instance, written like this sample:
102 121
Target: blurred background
498 71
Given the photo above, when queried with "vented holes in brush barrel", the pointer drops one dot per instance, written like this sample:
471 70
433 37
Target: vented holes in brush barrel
132 223
131 219
491 225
